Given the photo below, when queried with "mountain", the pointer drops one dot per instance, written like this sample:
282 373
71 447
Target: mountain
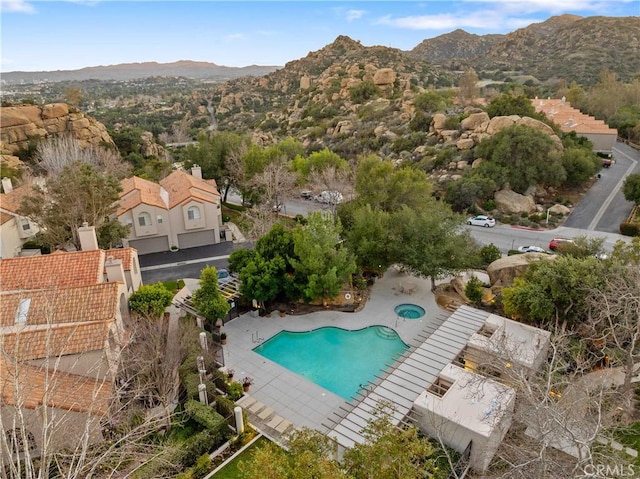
455 46
133 71
565 46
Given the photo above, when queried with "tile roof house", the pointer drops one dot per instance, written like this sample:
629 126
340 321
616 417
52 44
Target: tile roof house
571 119
61 333
15 230
182 211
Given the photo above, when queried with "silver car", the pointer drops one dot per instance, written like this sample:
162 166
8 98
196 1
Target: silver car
482 220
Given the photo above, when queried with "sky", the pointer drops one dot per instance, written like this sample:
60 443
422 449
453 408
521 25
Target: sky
46 35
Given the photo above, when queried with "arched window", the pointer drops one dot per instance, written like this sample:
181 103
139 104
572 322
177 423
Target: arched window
144 219
193 213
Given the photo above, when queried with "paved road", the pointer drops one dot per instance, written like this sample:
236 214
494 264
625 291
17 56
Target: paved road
603 208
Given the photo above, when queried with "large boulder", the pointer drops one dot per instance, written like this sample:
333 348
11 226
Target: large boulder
498 123
559 210
439 121
474 120
384 77
465 144
503 271
512 202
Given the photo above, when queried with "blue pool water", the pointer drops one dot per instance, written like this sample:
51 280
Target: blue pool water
409 311
336 359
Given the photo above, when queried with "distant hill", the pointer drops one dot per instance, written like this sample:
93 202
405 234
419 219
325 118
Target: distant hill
134 71
565 46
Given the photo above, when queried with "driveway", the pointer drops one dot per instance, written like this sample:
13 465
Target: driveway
187 263
603 208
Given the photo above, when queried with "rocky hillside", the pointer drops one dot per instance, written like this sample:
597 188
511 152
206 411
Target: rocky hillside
566 46
21 123
328 94
133 71
450 48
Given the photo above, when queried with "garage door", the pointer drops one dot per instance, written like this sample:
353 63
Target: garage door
151 245
197 238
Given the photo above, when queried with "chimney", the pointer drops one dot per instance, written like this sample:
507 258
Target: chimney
196 171
115 271
7 187
87 237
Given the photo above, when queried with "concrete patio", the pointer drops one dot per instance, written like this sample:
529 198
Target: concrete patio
294 398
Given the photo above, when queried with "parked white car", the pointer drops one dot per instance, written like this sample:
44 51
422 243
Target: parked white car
531 249
331 197
482 220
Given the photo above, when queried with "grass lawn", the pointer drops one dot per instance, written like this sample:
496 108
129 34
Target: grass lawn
230 471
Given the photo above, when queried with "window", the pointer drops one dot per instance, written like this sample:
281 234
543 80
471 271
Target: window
26 226
440 387
144 219
159 219
487 330
193 213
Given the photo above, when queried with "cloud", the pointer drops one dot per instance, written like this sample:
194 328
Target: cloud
443 21
355 14
234 36
16 6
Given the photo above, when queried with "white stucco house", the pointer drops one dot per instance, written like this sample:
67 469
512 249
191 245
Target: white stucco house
15 230
182 211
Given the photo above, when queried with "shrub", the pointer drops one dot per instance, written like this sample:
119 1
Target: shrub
630 229
202 466
363 92
489 253
490 205
150 300
512 252
473 290
234 390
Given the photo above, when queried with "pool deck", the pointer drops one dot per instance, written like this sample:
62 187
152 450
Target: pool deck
298 400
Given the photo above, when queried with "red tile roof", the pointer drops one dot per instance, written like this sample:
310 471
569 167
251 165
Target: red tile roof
11 201
136 191
31 386
183 187
5 217
569 118
59 270
123 254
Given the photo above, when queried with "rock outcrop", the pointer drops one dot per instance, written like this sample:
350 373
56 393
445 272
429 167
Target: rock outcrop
503 271
512 202
19 124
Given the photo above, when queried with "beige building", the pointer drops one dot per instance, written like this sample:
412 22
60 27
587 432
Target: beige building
571 119
61 333
15 230
182 211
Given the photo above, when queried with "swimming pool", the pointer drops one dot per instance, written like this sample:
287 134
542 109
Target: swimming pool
409 311
337 359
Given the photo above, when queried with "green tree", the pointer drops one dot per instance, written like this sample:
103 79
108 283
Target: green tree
528 156
507 104
580 165
464 193
631 188
78 195
208 299
150 300
310 455
431 243
554 290
318 161
322 265
389 451
380 184
367 238
111 233
430 102
627 121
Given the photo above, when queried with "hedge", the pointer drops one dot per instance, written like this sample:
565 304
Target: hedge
630 229
204 415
